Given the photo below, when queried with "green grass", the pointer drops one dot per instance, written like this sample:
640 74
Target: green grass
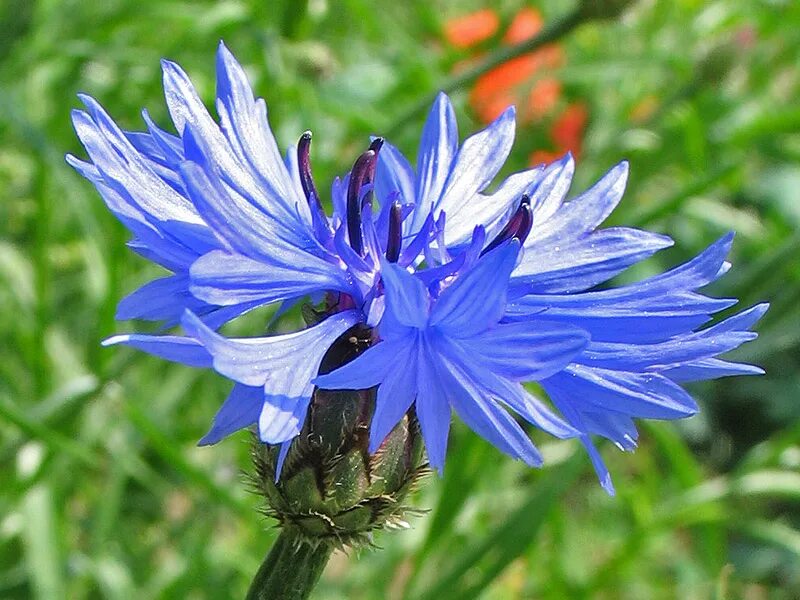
103 493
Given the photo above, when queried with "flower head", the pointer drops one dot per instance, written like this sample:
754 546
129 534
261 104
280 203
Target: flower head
447 297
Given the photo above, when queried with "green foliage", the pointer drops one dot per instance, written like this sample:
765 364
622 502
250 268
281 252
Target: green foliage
103 492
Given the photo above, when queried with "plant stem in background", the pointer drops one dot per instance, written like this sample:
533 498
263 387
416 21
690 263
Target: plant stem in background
290 570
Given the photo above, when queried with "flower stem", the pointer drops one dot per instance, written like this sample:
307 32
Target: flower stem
291 569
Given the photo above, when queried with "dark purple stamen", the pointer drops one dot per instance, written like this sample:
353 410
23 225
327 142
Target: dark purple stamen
304 164
360 174
394 240
376 145
518 226
363 173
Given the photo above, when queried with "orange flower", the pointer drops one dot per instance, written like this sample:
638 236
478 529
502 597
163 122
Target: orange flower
501 83
471 29
526 24
567 131
543 97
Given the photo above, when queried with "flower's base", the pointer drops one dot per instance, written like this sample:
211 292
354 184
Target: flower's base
339 496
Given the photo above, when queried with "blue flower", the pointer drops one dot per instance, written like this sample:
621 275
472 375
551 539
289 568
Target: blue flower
460 295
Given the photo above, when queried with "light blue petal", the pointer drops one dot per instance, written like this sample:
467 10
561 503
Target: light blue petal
479 159
225 279
240 410
709 368
189 114
437 149
185 350
575 266
119 162
393 174
284 364
552 188
490 210
244 122
236 220
583 214
281 417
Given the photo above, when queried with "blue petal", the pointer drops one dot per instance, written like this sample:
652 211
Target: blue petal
240 410
476 300
393 174
529 351
616 427
282 453
479 159
575 418
552 188
480 412
508 391
185 350
370 368
160 300
225 279
433 411
406 296
720 338
709 368
437 149
395 395
284 364
646 395
599 465
536 412
576 266
583 214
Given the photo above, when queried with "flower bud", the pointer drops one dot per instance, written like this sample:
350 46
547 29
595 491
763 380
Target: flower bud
331 489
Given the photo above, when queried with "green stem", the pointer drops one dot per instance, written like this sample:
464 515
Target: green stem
290 571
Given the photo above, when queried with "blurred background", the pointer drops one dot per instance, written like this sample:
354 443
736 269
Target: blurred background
103 493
